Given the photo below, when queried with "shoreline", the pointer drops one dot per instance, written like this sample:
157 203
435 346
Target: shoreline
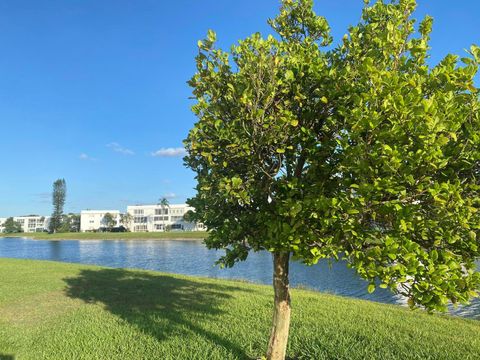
100 239
177 236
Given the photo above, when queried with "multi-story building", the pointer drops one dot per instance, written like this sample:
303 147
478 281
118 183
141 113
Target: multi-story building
154 218
93 220
33 223
29 223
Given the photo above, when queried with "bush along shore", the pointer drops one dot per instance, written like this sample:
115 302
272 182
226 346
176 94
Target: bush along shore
52 310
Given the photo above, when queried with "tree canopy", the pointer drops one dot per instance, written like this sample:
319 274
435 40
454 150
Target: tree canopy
126 220
70 223
364 152
109 220
11 226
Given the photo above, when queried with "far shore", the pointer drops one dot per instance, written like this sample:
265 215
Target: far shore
170 235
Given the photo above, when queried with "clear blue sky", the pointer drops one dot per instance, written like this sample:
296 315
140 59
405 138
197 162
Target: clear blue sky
90 89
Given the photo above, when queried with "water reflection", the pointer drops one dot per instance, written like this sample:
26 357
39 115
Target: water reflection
192 258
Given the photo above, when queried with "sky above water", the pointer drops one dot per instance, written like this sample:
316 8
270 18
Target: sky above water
95 91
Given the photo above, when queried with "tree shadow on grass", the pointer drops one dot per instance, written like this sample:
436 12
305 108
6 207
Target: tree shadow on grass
158 305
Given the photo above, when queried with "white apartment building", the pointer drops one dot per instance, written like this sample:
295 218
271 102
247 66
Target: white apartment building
29 223
92 220
154 218
33 223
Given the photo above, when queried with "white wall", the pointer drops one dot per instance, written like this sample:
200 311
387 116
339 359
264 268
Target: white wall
92 220
2 221
154 218
33 223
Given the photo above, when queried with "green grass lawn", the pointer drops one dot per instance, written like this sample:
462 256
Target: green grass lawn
54 310
113 236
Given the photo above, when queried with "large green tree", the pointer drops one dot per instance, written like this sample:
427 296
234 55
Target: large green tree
59 194
109 220
363 153
70 223
11 226
126 220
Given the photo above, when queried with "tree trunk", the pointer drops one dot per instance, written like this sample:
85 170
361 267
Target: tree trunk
277 346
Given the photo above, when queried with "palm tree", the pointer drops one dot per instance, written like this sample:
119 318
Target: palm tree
164 204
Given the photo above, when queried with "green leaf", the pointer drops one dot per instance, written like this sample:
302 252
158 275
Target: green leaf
236 182
371 288
211 36
289 75
392 256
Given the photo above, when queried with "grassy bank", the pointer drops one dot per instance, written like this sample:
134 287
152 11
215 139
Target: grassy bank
113 236
63 311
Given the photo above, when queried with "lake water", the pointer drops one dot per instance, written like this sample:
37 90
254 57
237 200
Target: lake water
193 258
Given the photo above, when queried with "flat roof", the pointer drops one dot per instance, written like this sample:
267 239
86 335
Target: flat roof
155 205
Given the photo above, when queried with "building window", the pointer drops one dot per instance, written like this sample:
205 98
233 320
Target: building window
140 219
160 218
138 212
163 211
140 228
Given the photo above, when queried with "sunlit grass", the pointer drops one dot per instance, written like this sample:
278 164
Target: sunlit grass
54 310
